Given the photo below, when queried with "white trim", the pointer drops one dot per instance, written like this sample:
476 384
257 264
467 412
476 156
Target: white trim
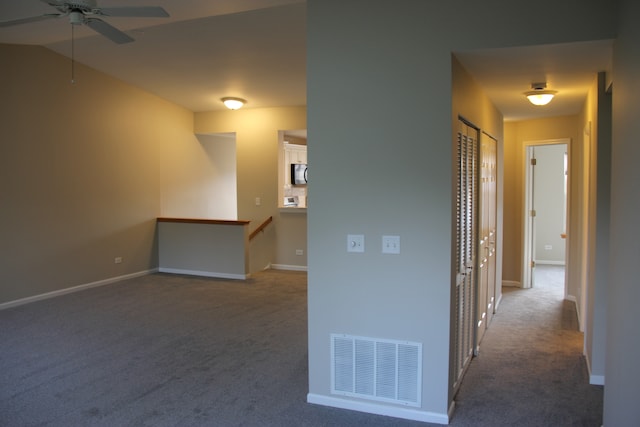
528 231
289 267
373 408
593 379
511 283
549 262
72 289
292 210
203 273
452 408
498 301
580 315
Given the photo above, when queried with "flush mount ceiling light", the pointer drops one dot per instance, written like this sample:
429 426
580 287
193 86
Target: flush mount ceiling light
233 103
539 95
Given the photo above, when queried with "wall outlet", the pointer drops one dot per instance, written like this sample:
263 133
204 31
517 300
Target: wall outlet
258 201
299 252
117 260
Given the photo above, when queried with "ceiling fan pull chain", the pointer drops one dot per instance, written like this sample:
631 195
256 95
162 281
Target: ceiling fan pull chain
73 73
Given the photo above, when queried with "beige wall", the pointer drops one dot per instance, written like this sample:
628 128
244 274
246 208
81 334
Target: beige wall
200 179
471 103
598 112
257 172
517 133
83 166
87 167
291 236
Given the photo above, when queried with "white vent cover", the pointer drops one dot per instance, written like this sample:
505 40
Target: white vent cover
376 369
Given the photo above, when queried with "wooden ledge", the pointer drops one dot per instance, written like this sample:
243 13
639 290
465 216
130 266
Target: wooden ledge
204 221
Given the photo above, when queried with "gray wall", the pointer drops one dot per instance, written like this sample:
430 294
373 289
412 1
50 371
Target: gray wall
379 55
623 290
595 332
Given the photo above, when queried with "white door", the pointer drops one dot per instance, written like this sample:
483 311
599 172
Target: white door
487 236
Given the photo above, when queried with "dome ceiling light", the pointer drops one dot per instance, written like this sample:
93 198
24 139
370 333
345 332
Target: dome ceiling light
539 95
233 103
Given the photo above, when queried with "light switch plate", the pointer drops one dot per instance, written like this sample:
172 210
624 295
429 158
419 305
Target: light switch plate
355 243
390 244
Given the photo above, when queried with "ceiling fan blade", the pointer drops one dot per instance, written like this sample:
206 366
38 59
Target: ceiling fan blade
107 30
28 20
134 12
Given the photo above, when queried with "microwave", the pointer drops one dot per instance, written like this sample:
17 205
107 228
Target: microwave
298 174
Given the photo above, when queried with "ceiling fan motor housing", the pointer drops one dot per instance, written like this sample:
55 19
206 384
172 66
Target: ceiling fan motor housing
76 17
82 6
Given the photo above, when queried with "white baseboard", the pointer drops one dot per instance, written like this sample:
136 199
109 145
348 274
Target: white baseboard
593 379
203 273
374 408
511 283
596 379
72 289
579 314
549 262
289 267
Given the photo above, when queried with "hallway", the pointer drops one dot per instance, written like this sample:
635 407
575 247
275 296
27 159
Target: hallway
530 370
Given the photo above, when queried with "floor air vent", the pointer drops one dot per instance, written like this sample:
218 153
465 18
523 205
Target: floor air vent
376 369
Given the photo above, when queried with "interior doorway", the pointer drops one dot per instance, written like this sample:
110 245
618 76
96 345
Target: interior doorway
546 210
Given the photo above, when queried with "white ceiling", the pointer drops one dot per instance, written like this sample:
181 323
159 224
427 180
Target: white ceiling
505 74
252 49
256 49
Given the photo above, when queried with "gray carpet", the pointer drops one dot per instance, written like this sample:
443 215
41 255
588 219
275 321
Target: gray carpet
167 350
531 371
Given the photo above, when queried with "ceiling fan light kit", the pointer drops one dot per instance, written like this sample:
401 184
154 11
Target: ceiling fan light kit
540 95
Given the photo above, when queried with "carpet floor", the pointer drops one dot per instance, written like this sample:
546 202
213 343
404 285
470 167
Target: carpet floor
530 370
170 350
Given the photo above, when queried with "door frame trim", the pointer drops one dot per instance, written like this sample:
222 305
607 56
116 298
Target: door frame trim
527 225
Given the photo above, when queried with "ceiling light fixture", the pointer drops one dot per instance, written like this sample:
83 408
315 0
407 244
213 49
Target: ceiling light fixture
233 103
539 95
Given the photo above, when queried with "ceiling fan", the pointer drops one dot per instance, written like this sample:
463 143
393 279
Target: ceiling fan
85 12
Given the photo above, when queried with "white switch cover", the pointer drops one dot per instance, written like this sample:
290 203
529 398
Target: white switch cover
390 244
355 243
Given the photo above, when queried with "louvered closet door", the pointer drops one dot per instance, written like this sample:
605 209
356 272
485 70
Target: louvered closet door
466 219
